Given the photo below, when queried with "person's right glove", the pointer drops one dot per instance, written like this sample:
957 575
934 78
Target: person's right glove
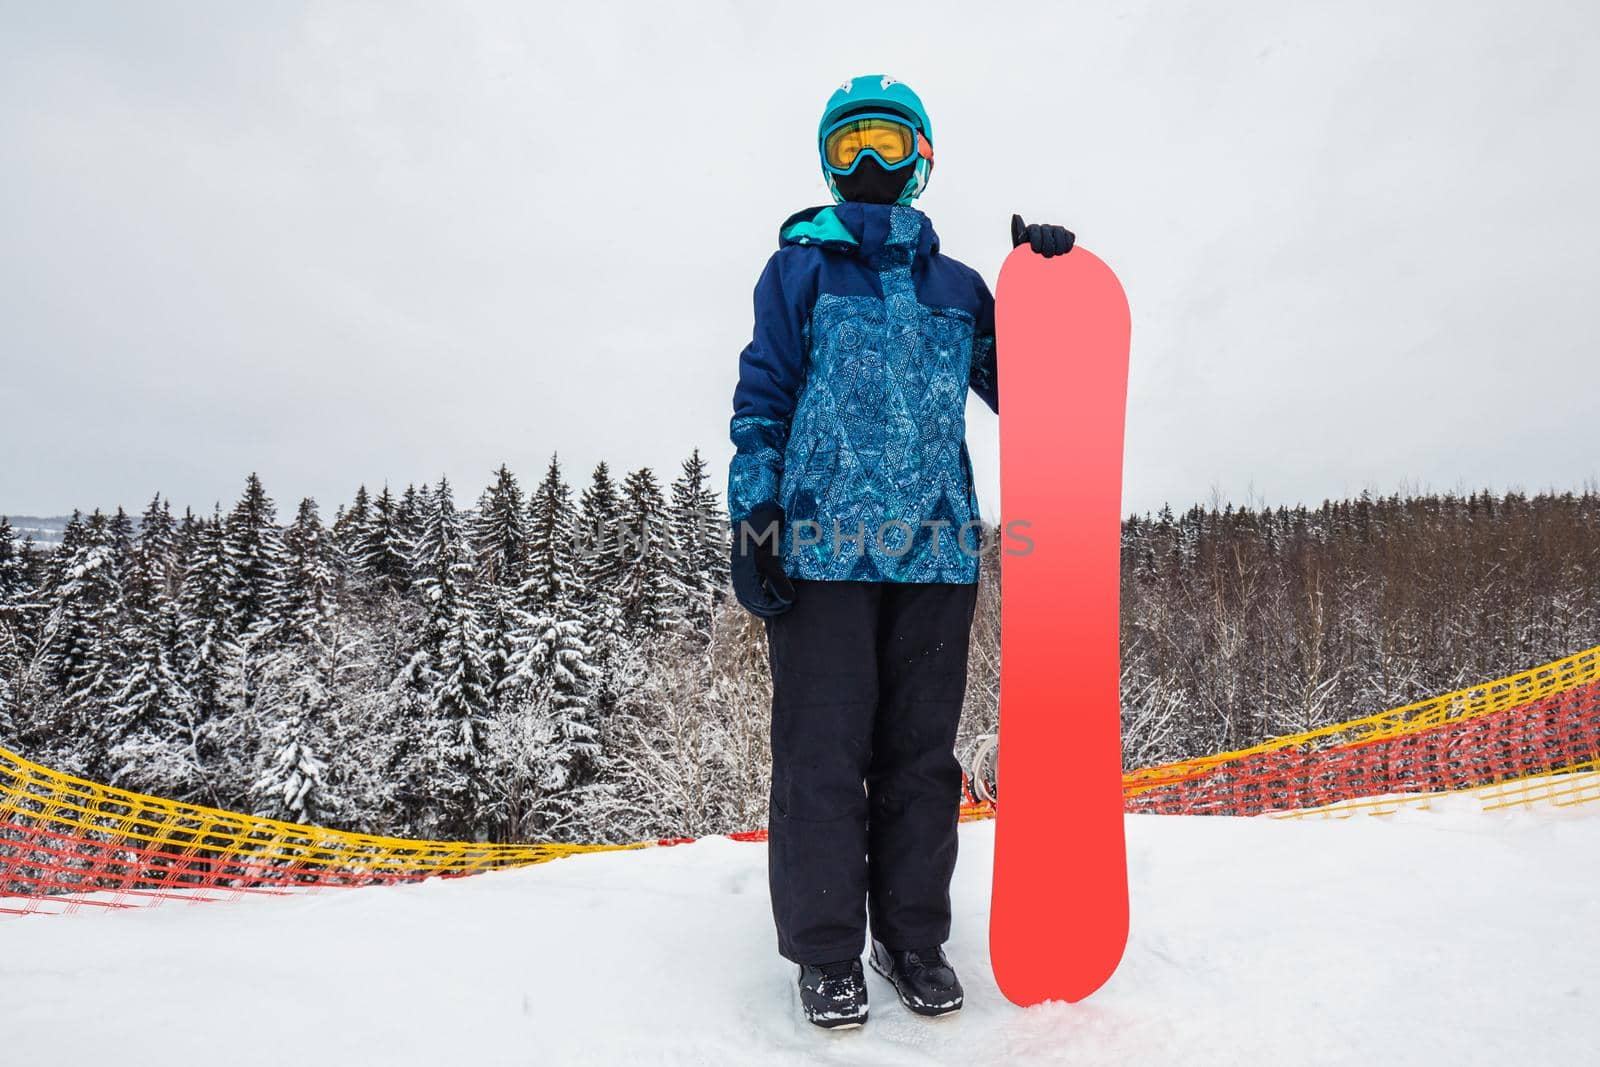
759 580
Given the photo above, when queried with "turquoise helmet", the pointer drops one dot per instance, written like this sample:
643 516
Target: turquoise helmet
882 92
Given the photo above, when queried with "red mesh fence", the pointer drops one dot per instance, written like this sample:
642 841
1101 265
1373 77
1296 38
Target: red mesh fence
67 843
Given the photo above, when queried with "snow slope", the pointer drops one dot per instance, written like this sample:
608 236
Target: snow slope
1451 936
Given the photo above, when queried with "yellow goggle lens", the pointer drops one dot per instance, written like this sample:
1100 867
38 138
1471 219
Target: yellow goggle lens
892 141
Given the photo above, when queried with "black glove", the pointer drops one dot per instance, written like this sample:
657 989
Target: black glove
1043 238
757 564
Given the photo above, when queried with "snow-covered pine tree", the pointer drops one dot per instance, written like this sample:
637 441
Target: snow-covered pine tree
411 515
697 547
12 666
599 556
253 542
350 526
291 785
80 646
551 573
27 607
554 754
190 529
72 534
119 534
210 654
504 626
256 546
600 566
12 659
450 672
10 563
644 588
382 554
553 686
151 579
299 679
141 731
57 638
499 532
307 599
627 603
34 701
16 586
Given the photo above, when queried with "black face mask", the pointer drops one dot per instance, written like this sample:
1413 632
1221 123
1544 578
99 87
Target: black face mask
870 183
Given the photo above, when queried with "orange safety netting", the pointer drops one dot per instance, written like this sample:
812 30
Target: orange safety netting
1578 784
67 843
1542 721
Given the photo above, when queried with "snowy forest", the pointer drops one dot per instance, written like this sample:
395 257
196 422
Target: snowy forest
561 665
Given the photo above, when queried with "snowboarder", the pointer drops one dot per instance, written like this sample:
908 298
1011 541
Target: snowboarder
855 537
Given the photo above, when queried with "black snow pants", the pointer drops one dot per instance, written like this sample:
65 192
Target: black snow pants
867 684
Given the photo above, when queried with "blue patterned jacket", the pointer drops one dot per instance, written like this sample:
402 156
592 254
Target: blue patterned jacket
850 411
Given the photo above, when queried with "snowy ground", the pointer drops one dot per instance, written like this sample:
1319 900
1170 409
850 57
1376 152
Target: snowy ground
1446 937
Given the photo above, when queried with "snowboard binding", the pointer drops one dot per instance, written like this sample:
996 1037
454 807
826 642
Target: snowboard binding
980 771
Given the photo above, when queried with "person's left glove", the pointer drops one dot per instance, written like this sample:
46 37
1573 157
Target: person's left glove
1043 238
756 567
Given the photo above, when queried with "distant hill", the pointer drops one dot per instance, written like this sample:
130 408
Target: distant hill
44 531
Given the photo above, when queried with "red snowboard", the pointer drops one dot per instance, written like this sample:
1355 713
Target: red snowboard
1060 911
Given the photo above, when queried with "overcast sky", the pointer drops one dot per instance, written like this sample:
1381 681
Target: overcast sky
353 243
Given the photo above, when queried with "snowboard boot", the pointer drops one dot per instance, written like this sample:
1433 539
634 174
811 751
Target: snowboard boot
926 982
834 995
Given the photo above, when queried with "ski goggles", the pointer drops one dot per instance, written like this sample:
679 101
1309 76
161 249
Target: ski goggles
890 138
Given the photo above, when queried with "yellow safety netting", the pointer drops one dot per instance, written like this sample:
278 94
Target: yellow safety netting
64 834
1570 674
1576 785
1530 738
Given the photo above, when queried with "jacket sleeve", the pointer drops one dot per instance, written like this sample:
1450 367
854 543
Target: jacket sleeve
985 376
771 370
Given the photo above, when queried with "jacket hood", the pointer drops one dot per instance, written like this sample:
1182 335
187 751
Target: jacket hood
857 229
